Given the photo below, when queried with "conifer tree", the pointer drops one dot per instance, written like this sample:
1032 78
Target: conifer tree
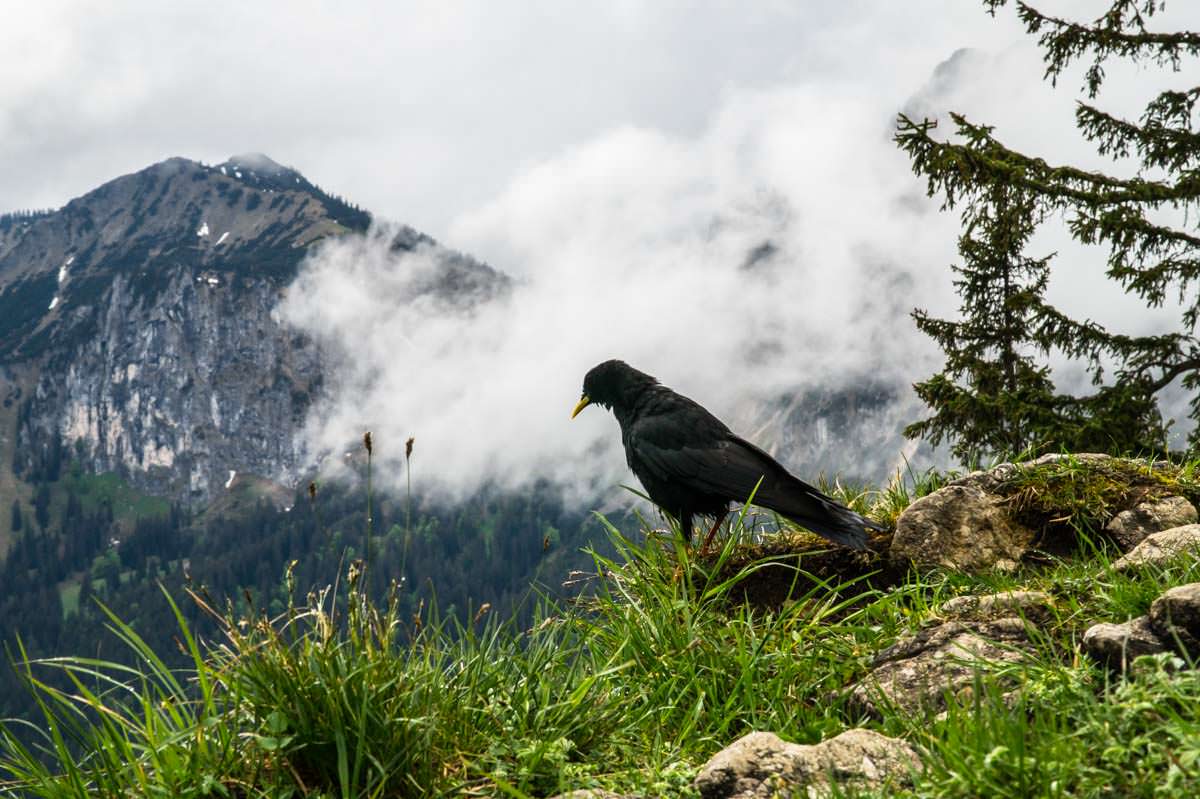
1149 255
991 397
41 505
85 592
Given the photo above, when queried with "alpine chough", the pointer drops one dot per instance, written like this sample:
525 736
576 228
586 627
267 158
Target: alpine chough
691 464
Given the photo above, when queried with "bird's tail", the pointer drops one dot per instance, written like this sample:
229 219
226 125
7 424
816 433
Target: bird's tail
839 524
832 520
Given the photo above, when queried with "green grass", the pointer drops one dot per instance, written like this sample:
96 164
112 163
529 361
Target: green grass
95 490
658 665
1086 495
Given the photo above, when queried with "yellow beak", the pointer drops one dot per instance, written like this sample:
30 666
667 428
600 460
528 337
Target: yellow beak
583 403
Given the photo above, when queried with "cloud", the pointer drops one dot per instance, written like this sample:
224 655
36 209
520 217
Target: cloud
441 104
773 253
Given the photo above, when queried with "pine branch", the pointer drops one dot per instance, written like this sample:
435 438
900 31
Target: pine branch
959 170
1159 141
1120 32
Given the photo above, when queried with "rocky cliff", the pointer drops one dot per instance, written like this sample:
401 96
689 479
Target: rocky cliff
137 325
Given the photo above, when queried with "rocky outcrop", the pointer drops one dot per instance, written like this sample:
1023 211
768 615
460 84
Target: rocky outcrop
1175 616
960 527
1116 645
1173 624
1130 527
1159 549
917 673
994 519
761 765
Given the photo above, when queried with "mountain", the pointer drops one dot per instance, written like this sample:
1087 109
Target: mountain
137 332
853 431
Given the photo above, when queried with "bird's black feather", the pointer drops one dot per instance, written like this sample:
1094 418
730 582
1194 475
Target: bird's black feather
691 464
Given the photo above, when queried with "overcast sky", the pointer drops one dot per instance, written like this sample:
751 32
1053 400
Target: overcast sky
423 111
619 158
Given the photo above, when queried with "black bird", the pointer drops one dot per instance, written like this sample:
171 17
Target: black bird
691 464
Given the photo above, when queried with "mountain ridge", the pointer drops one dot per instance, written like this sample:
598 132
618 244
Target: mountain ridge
137 324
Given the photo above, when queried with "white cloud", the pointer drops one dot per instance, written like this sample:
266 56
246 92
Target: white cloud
418 109
635 245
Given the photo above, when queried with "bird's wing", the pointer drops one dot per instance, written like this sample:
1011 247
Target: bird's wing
703 457
725 465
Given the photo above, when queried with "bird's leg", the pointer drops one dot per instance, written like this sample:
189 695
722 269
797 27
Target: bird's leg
685 527
716 525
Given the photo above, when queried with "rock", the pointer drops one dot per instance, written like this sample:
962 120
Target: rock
960 527
1032 605
916 673
1128 528
988 480
1116 645
1160 548
1090 458
762 765
1175 616
1173 624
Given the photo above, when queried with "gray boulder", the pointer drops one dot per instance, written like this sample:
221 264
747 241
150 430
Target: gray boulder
916 673
960 527
1130 527
1160 548
760 765
1116 645
1175 616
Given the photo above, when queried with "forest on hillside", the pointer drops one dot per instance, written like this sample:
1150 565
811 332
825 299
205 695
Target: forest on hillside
75 556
